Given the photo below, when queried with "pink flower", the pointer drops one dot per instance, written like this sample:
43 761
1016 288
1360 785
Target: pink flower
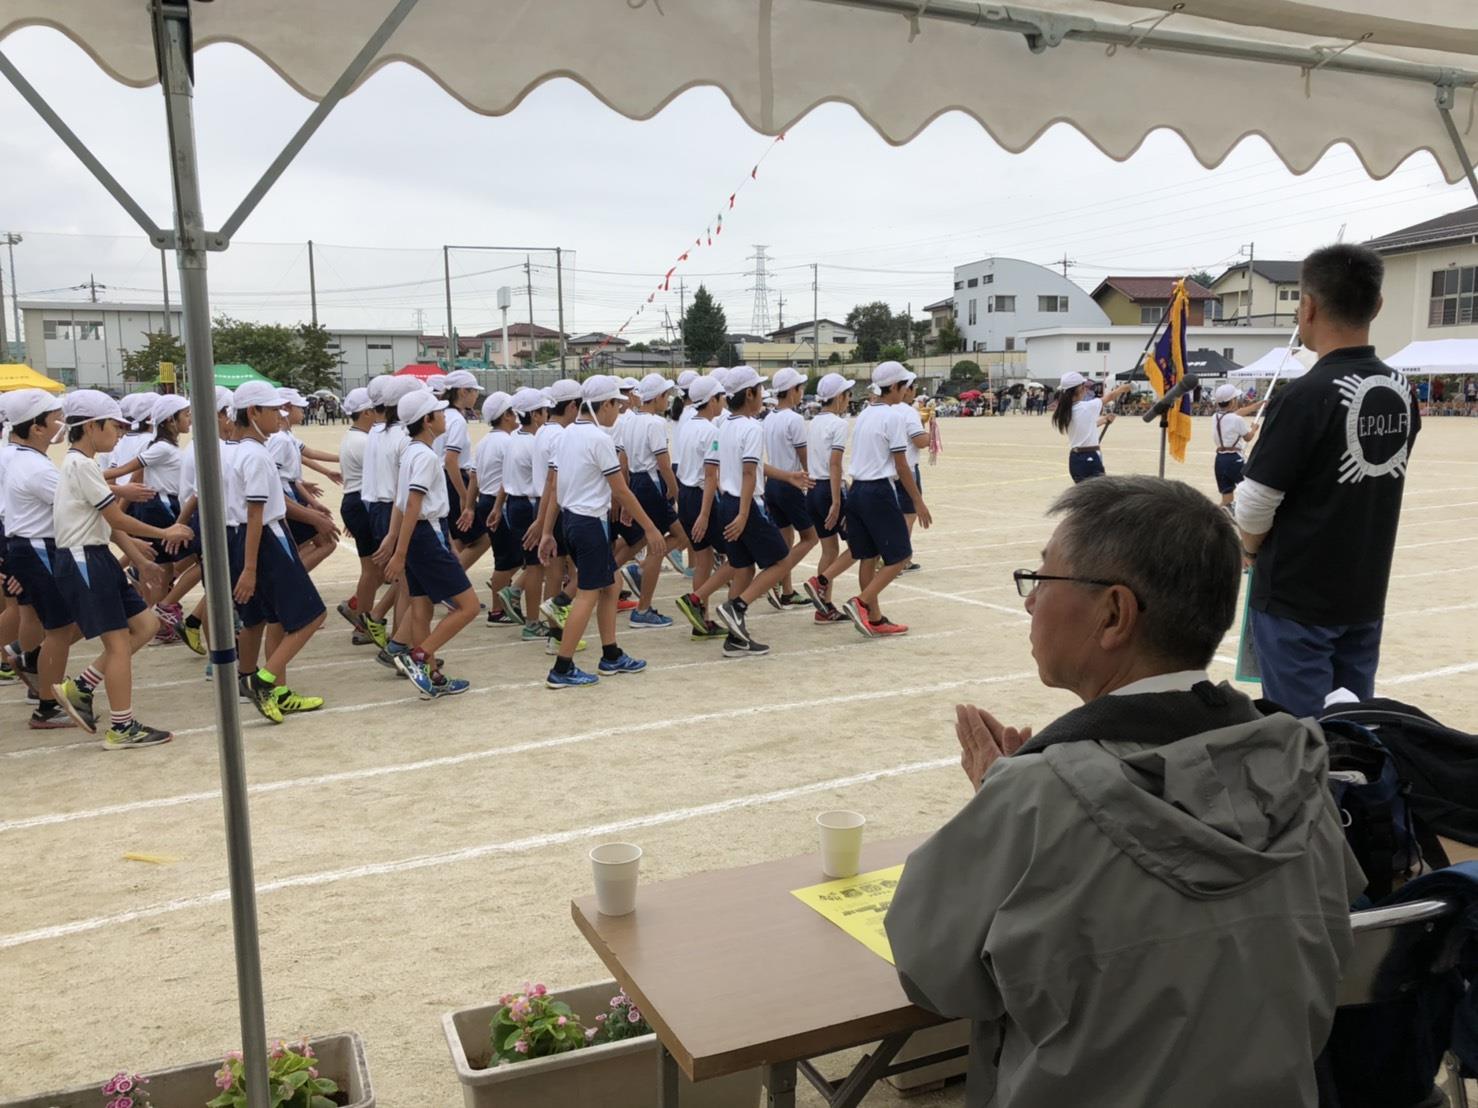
527 987
590 1035
600 1018
234 1055
278 1050
561 1022
540 990
112 1086
617 999
506 999
123 1102
313 1071
123 1084
224 1079
522 1046
633 1016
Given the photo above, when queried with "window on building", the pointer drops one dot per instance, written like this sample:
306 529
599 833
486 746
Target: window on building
971 319
1010 342
988 279
1288 294
89 332
972 282
1103 348
51 329
1151 312
68 377
1051 303
1084 347
378 346
1452 296
1212 310
959 285
1003 303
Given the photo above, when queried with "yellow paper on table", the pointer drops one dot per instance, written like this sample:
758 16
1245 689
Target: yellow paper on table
857 905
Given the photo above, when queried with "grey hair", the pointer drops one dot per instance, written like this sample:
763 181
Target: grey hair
1168 543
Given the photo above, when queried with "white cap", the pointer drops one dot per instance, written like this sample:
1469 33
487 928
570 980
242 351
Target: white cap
357 401
564 389
27 404
1226 393
891 373
136 406
416 404
831 386
599 388
741 377
1071 380
399 387
527 400
85 405
704 389
255 394
686 378
166 407
787 379
223 398
628 383
377 388
873 390
652 386
436 383
495 405
461 379
291 396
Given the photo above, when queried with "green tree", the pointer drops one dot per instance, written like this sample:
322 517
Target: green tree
638 348
705 328
318 365
893 352
919 337
729 355
950 338
143 365
1203 278
874 326
834 358
548 351
965 370
272 349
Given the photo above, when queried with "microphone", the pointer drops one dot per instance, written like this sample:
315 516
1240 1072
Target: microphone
1186 384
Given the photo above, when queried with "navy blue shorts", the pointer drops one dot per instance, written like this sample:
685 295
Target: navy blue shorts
431 569
589 539
454 512
519 513
818 501
1228 471
1081 467
787 505
357 522
195 546
285 593
97 589
507 556
875 524
163 511
689 508
759 544
379 514
32 563
652 497
905 501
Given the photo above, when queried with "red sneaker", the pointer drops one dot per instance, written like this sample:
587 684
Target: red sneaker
626 605
829 617
856 611
885 626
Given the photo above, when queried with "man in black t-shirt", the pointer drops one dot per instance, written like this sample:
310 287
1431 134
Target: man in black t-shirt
1320 498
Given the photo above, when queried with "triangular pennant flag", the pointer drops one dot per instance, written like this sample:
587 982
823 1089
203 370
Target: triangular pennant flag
754 173
684 256
731 200
651 298
780 137
667 281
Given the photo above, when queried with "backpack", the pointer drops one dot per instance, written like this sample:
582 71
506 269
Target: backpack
1387 837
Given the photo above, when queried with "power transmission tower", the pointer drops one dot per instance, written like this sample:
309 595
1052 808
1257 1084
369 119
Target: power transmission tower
759 319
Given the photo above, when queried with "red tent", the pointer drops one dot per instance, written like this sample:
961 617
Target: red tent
422 370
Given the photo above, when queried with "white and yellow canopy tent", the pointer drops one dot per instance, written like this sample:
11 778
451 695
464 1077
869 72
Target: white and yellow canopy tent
1387 79
14 376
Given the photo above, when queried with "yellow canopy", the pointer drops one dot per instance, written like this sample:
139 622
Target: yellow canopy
14 376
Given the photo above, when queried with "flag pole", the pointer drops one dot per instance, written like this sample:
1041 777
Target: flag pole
1154 337
1287 353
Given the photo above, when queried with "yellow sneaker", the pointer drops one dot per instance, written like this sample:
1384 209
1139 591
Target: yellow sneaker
291 702
551 645
194 638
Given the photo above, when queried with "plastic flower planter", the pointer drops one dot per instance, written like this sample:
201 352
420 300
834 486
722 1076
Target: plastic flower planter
932 1040
340 1057
612 1075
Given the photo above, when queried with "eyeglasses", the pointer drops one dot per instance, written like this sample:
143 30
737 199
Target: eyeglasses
1027 581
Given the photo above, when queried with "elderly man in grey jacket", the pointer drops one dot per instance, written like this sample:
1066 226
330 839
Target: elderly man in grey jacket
1145 904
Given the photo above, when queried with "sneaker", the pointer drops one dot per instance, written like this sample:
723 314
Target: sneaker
912 567
405 664
500 618
134 735
817 593
650 618
16 659
776 598
575 679
733 619
552 645
176 612
624 664
885 626
631 574
77 704
263 696
166 615
385 658
194 638
167 634
291 702
7 673
359 638
349 612
831 615
243 688
691 607
554 614
377 631
626 604
512 602
534 632
675 560
857 613
441 686
710 631
421 677
735 647
51 719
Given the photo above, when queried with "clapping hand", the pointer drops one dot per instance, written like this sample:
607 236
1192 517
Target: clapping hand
983 739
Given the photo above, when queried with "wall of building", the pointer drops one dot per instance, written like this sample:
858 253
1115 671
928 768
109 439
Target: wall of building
774 355
365 354
1272 304
1119 350
90 341
1407 294
827 333
1027 282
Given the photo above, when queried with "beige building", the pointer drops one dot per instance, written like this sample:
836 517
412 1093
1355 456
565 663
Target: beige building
1270 299
1135 301
1431 282
766 356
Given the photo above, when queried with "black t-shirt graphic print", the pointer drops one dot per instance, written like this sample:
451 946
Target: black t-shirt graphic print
1336 442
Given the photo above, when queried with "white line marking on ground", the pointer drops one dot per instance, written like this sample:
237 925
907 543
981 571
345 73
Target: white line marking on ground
1017 611
1445 671
471 853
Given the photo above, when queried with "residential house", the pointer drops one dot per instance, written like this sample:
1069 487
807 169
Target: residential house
1098 352
823 331
589 344
1266 298
998 299
524 340
1132 301
938 312
1431 281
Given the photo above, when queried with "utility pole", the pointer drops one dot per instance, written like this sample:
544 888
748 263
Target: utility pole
759 319
682 314
92 284
1250 251
1064 261
559 287
815 321
4 344
312 286
451 338
11 240
528 272
164 277
781 323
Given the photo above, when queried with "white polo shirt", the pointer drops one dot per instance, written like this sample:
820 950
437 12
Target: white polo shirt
690 446
30 491
825 435
81 496
351 458
287 452
230 480
645 442
1084 430
518 466
162 467
913 425
1228 428
583 463
260 482
382 464
456 439
785 429
129 447
487 462
369 489
420 471
740 440
545 448
878 435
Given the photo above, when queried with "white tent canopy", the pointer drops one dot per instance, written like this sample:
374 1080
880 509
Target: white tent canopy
1294 364
1109 68
1437 356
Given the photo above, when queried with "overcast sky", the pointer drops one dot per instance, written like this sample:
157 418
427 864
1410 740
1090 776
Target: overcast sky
400 168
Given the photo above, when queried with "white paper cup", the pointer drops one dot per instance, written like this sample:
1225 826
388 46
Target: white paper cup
616 866
841 842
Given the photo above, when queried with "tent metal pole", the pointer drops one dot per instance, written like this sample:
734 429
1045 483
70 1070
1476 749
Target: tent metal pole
446 267
174 47
1446 95
320 112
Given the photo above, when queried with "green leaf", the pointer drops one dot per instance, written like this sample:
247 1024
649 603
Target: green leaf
513 1038
298 1079
222 1101
322 1102
560 1008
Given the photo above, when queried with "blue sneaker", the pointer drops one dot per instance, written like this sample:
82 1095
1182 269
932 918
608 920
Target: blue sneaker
445 686
650 618
675 560
420 675
575 679
631 574
624 664
398 658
